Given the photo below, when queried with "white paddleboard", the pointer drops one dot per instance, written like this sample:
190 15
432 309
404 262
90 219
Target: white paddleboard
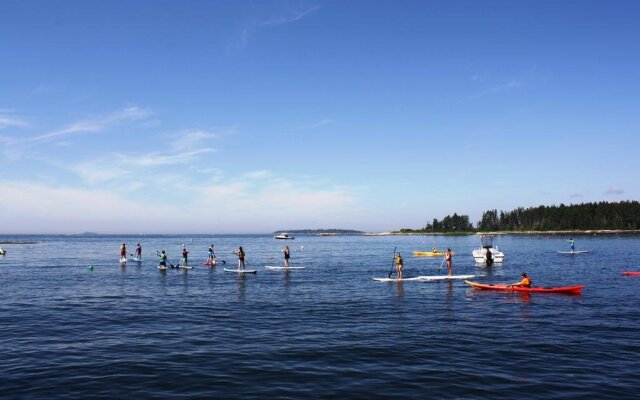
241 271
574 252
281 267
162 267
417 278
123 260
444 277
134 259
185 267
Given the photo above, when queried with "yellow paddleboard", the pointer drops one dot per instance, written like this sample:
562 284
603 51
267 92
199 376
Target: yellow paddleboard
428 253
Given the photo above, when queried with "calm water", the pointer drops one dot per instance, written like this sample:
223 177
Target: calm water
325 331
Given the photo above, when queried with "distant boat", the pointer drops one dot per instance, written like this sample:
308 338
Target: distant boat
284 236
487 254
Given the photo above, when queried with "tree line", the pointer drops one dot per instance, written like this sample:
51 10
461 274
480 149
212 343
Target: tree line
624 215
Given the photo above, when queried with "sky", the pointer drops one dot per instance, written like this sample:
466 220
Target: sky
254 116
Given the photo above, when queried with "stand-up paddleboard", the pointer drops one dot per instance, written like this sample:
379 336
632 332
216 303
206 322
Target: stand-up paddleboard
275 267
136 259
444 277
208 264
574 252
163 267
185 267
631 273
414 279
123 260
241 271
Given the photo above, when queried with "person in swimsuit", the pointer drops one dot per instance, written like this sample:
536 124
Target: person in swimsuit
397 260
123 251
240 253
286 255
448 256
185 254
525 282
139 252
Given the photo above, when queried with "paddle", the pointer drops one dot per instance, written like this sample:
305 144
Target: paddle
442 263
393 261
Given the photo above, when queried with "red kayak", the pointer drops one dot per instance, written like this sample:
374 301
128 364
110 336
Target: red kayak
510 288
631 273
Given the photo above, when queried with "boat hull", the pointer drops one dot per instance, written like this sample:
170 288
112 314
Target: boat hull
576 289
480 255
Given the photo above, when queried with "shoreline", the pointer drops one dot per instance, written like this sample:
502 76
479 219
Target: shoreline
523 233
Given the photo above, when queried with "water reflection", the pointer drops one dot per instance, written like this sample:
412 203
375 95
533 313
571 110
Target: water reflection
400 288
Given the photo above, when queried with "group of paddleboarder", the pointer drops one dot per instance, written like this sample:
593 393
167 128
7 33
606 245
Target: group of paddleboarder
184 261
399 263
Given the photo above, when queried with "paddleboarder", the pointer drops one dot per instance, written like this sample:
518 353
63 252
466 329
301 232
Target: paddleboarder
286 253
572 243
397 260
185 254
139 252
448 256
212 256
525 282
163 259
123 252
240 253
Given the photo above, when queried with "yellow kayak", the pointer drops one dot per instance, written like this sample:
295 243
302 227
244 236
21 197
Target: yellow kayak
428 253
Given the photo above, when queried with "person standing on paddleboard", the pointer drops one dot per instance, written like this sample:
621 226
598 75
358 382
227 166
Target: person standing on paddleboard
448 256
525 282
139 252
185 254
397 260
163 259
240 254
212 256
123 252
572 243
286 253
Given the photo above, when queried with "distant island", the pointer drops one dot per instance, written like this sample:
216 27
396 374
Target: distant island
601 217
321 232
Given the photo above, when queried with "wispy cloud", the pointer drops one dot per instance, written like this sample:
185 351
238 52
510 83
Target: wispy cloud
7 120
291 16
503 87
117 165
576 195
321 123
614 190
95 125
283 17
192 139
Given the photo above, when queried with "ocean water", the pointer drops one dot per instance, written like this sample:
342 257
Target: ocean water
328 331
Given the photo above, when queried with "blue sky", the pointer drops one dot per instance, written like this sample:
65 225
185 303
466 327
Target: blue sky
254 116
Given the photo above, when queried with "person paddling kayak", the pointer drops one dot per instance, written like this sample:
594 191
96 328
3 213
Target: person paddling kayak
397 260
525 282
240 253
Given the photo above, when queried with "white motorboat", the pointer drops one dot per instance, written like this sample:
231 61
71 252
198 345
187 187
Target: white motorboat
487 254
284 236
